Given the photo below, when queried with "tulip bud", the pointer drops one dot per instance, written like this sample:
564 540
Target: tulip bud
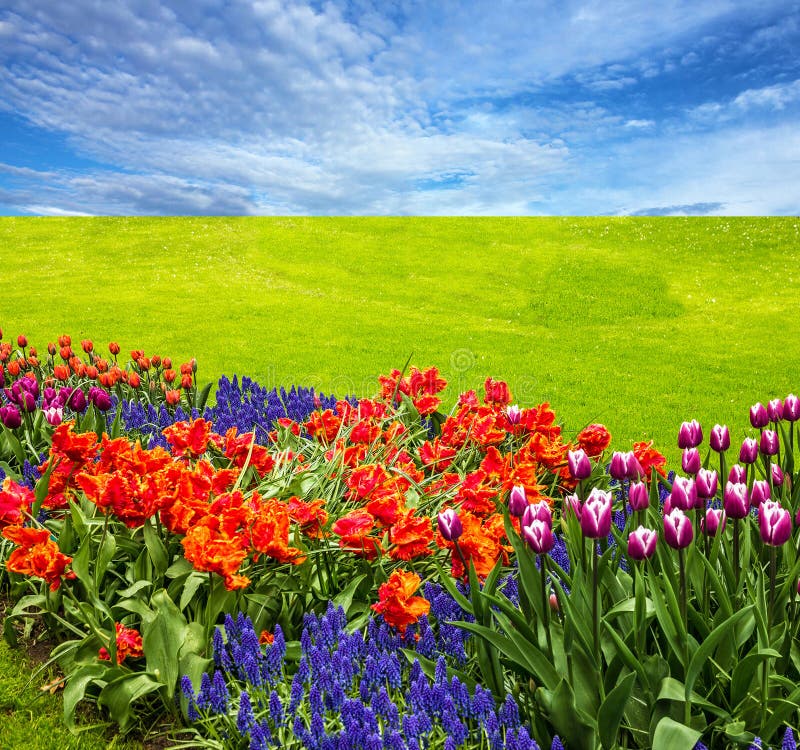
690 460
51 349
22 342
10 416
596 514
134 381
554 603
707 483
775 410
678 531
777 475
155 360
618 468
791 408
580 467
775 524
537 512
186 381
711 523
735 500
173 397
113 348
642 543
517 501
690 434
64 341
539 536
720 439
737 474
758 415
101 399
769 442
513 413
759 493
684 493
574 504
748 453
450 526
638 496
87 345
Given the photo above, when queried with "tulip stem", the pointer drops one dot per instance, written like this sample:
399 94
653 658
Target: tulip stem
545 605
736 555
765 665
687 707
596 623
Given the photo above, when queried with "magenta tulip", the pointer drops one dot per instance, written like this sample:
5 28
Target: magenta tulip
450 526
759 492
596 514
775 410
678 531
517 501
735 500
10 416
642 543
707 482
618 468
775 523
580 467
714 520
537 512
748 453
514 414
690 434
737 474
791 408
758 415
539 536
777 475
683 494
769 442
638 496
690 460
574 504
54 415
720 439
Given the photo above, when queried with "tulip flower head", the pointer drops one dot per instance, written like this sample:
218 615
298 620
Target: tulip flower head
517 501
596 514
707 482
450 526
638 496
737 474
580 467
625 466
514 414
713 521
775 410
777 475
720 439
10 416
54 415
758 415
748 453
537 512
690 460
775 523
642 543
684 493
539 536
791 408
760 492
690 434
769 442
735 500
574 504
678 531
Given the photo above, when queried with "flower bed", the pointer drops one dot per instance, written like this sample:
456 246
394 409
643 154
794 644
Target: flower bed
288 569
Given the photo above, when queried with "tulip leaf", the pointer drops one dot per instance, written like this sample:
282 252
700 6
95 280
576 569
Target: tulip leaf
780 714
664 619
447 581
670 734
119 695
571 724
721 591
626 655
745 671
610 714
163 635
707 647
75 690
156 549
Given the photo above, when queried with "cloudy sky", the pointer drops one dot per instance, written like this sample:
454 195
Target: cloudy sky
404 107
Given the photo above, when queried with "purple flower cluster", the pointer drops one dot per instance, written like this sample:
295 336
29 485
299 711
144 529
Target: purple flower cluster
353 691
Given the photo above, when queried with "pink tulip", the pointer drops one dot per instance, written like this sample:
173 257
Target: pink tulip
580 467
514 414
707 482
574 504
678 531
690 434
791 408
450 525
714 520
777 475
539 536
737 474
537 512
642 543
596 514
748 453
758 415
775 410
720 439
735 500
769 442
759 492
690 460
638 496
517 501
684 493
775 523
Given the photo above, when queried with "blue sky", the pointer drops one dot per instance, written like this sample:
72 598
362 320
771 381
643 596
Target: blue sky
408 107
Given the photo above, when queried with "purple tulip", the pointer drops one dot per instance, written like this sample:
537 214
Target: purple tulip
769 442
574 504
596 514
517 501
775 523
758 415
580 467
678 531
775 410
514 414
791 408
713 519
748 453
759 493
690 434
720 439
737 474
735 500
100 398
777 475
2 377
10 416
638 496
690 460
707 482
539 536
76 399
49 395
683 494
450 525
642 543
537 512
619 465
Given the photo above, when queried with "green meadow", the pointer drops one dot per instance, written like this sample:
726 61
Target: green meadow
637 322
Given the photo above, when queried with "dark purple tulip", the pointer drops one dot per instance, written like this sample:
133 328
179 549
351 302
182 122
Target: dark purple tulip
596 514
580 467
537 512
48 396
713 519
678 531
735 500
775 410
76 400
10 416
737 474
26 401
720 439
690 434
539 536
2 377
450 525
100 398
777 475
769 442
748 453
707 482
775 524
759 492
690 460
758 415
642 543
638 496
791 408
517 501
683 494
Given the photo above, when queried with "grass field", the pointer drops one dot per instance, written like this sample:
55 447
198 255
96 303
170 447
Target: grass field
638 322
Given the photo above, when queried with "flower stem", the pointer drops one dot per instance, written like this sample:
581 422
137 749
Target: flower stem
596 623
687 707
545 605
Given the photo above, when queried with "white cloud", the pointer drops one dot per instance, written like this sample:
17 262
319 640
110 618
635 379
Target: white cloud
637 124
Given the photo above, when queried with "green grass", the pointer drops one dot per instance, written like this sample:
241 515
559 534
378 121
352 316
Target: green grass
638 323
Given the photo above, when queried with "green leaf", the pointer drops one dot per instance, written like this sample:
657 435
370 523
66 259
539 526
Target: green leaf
345 598
105 554
610 714
201 397
75 690
156 549
119 695
163 634
577 730
701 656
745 671
670 735
193 582
780 714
